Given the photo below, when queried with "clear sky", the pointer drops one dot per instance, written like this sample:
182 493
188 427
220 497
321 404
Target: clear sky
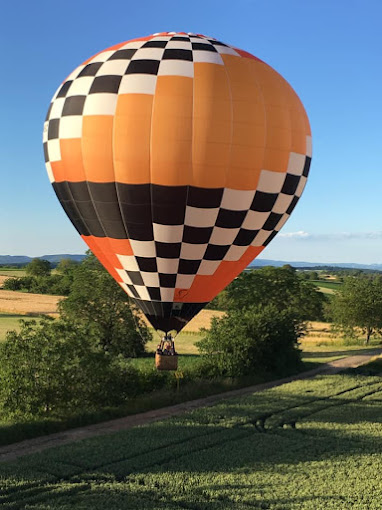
328 50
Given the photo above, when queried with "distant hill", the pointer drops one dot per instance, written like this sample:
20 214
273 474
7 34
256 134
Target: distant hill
315 265
22 260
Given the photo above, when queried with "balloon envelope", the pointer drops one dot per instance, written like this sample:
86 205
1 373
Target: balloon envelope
177 158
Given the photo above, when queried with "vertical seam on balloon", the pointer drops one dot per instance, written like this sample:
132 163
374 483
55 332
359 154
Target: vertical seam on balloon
86 177
192 167
232 126
112 152
290 130
115 180
229 164
151 183
265 132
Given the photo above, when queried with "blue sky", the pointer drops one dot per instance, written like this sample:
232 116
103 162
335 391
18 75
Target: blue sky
329 51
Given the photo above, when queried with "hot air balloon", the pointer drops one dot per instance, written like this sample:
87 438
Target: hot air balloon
177 158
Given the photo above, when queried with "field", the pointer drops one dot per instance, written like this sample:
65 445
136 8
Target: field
27 304
9 321
327 287
318 346
308 445
7 273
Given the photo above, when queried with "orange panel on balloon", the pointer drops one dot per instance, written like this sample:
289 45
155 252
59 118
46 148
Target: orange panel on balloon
100 249
97 148
212 125
131 138
171 131
71 153
58 170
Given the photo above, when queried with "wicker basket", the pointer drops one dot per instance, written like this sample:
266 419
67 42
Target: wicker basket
164 362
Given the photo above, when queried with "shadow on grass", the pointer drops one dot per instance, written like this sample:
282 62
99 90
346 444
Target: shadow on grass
275 450
11 316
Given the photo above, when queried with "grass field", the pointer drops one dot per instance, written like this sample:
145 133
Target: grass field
9 321
26 303
12 272
327 287
308 445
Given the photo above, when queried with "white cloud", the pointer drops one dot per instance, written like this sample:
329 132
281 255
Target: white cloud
299 235
359 235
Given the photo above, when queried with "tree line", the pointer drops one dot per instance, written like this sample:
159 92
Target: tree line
82 360
39 278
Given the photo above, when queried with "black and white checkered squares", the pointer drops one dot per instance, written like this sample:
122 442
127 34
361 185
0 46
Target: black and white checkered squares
195 229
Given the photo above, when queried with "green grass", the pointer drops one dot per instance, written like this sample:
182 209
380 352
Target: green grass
309 445
184 342
327 285
327 353
185 361
10 321
12 272
312 352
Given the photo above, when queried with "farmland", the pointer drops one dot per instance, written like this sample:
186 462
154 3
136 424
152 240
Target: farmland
327 287
28 304
306 445
8 273
318 346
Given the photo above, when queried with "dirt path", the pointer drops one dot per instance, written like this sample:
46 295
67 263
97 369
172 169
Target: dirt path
13 451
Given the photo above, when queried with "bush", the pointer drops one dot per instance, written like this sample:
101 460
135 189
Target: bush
257 339
54 368
24 283
56 284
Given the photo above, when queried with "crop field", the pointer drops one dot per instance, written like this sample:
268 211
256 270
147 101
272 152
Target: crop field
308 445
3 278
26 303
7 273
327 287
319 338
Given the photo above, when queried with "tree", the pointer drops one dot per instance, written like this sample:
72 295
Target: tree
258 339
97 299
313 275
358 304
220 302
38 267
66 266
55 367
281 287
